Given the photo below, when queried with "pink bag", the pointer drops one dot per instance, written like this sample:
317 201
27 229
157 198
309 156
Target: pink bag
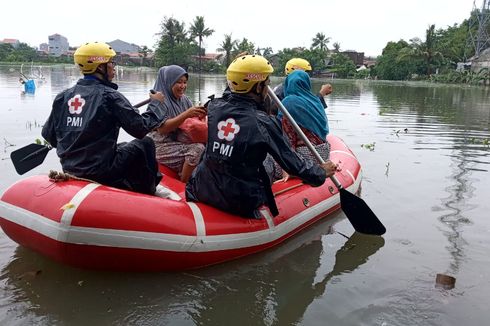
193 130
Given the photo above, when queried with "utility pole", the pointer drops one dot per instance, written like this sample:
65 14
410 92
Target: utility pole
478 24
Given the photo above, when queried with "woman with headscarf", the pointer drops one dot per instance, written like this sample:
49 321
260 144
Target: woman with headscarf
177 107
309 113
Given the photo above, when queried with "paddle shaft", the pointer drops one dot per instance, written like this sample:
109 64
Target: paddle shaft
301 133
357 211
140 104
148 100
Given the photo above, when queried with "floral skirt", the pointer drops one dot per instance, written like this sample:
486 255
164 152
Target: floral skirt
274 170
174 154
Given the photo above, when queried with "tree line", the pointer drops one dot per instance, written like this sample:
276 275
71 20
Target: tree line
434 58
181 46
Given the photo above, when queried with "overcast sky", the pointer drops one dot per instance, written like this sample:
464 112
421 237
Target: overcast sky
364 26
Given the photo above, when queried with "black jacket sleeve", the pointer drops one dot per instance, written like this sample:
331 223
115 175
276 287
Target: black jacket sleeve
134 123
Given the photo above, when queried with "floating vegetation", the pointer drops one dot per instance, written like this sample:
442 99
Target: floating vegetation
388 110
397 132
41 142
369 146
484 141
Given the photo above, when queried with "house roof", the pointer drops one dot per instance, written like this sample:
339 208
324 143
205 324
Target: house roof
210 56
10 40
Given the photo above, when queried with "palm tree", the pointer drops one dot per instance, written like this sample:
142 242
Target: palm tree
244 46
336 47
174 43
226 47
199 30
431 54
265 52
423 50
320 41
173 31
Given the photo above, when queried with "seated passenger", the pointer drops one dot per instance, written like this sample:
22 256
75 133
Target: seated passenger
231 175
177 107
309 114
296 64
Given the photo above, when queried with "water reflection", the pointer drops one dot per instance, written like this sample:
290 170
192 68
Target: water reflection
463 119
280 292
441 162
274 288
62 77
457 105
460 191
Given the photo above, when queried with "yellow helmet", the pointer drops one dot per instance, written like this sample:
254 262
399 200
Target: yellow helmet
296 63
246 71
90 55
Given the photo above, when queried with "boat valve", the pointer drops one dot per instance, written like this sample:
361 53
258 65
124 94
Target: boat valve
306 202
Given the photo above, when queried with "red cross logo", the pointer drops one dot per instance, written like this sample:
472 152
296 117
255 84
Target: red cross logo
228 129
75 104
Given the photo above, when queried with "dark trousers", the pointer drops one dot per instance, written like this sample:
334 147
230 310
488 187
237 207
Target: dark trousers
134 167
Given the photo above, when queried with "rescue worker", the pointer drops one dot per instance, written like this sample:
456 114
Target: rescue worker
304 65
85 121
231 175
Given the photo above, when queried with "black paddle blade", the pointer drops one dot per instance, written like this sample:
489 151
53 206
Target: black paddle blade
360 215
28 157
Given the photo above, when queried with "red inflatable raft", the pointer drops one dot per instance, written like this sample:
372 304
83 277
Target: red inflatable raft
93 226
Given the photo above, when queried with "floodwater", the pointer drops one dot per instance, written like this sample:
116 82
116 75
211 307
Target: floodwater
425 153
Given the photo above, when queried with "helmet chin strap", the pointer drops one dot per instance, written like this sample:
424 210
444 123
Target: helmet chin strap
103 72
263 89
257 95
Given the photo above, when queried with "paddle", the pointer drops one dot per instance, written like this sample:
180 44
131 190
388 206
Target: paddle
32 155
357 211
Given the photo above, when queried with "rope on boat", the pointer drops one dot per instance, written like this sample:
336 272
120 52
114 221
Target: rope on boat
57 176
288 188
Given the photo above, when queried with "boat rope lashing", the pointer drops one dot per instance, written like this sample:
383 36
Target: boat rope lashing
57 176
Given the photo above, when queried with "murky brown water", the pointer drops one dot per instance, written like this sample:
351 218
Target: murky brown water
425 154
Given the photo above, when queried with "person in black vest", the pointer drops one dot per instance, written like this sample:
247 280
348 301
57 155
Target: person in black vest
231 175
84 126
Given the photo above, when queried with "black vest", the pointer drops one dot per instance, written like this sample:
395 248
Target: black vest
231 175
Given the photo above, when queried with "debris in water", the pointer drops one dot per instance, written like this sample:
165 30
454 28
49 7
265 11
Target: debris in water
445 281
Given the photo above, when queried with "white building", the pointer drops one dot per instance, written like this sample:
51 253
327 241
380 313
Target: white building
483 61
57 45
